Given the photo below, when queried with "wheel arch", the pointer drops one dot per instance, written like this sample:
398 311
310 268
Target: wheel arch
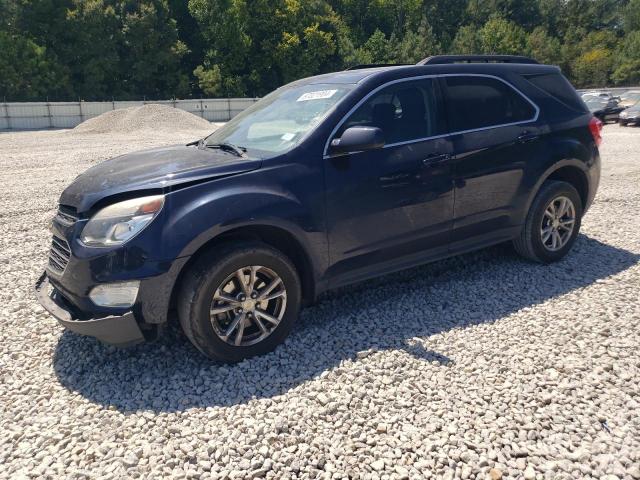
276 237
571 171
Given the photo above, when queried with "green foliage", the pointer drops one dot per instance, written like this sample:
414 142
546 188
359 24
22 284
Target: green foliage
96 49
377 49
27 71
262 44
631 16
544 47
418 44
500 36
628 61
149 49
594 63
467 41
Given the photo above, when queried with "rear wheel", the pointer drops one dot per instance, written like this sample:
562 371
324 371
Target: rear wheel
552 224
239 302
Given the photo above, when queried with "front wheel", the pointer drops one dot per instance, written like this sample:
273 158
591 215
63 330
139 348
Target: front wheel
552 224
239 301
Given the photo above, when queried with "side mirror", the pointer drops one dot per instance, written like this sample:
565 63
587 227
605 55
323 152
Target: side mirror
357 139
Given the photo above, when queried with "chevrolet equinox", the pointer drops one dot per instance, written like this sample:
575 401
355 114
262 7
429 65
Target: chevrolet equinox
324 182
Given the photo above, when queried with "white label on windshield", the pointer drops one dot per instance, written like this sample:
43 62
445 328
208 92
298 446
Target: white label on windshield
319 95
287 137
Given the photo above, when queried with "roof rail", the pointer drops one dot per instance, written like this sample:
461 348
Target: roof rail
445 59
377 65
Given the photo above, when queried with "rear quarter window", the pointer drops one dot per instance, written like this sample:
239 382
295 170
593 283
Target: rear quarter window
558 87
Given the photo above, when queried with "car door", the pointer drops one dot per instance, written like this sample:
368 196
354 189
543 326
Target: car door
393 206
495 136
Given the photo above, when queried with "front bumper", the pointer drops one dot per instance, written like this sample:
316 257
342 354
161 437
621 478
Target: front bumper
121 330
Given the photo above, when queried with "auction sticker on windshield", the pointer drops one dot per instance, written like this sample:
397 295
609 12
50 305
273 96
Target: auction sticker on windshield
319 95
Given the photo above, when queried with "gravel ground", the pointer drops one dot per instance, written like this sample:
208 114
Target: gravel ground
482 366
145 117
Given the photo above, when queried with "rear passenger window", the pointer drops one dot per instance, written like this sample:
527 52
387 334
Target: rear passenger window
481 102
404 111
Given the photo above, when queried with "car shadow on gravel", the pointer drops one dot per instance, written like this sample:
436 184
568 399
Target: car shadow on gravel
390 313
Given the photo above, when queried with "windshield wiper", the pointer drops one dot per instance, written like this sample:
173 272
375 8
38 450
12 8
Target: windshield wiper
229 147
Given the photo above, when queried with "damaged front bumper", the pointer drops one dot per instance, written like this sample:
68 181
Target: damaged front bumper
122 330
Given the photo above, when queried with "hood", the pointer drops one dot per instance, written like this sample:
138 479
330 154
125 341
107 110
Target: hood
159 168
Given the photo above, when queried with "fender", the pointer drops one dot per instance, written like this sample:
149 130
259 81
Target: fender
570 162
569 152
208 215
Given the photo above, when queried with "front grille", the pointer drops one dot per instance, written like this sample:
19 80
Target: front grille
66 215
59 255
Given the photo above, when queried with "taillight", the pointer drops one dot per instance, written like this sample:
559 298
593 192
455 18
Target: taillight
595 127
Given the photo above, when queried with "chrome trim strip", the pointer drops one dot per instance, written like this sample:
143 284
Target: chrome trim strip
422 77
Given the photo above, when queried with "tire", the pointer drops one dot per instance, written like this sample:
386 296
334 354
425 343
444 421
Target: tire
206 277
530 244
623 124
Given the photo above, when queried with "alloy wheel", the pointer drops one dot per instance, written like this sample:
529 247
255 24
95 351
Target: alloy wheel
248 306
558 223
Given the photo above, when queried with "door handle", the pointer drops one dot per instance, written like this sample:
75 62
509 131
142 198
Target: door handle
527 137
436 159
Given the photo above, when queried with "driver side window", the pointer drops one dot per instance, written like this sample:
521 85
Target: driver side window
404 111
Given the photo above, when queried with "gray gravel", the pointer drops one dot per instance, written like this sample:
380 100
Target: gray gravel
157 118
482 366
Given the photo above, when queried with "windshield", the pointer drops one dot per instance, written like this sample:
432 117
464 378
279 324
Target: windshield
279 121
596 103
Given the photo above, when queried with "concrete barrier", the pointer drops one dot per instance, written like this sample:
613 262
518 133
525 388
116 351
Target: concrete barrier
43 115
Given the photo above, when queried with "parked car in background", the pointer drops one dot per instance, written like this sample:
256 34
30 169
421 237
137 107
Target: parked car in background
630 116
605 109
327 181
587 95
630 98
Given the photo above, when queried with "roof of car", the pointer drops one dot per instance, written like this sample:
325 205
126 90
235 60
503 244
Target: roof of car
359 75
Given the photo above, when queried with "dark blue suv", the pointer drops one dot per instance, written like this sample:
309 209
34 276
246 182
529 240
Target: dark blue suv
327 181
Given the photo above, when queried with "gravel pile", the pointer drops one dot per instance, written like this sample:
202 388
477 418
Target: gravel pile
477 367
159 118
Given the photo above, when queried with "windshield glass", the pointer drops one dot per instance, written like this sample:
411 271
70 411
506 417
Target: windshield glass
596 103
279 121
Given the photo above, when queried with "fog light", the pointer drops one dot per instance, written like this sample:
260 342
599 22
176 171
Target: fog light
115 294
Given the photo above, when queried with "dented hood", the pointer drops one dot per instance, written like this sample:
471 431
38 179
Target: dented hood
160 168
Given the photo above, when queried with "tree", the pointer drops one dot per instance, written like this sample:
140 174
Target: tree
377 49
467 41
150 50
444 17
628 61
89 50
631 16
543 47
95 49
594 64
524 13
417 45
500 36
28 73
259 48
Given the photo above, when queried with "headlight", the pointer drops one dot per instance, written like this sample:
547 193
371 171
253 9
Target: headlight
120 222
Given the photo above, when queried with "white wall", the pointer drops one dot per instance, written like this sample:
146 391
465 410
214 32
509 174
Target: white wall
39 115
